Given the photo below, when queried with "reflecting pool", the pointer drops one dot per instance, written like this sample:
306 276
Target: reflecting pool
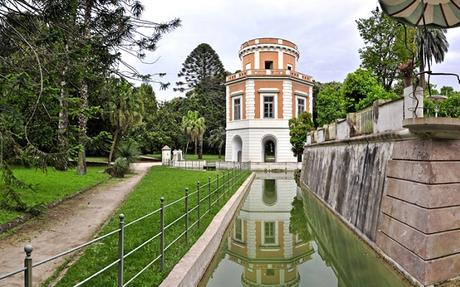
284 237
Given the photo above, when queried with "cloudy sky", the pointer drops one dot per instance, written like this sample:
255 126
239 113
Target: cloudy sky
324 30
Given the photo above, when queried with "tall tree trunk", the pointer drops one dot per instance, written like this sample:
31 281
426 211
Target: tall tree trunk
196 146
186 149
422 76
200 154
422 65
63 124
82 124
82 118
113 147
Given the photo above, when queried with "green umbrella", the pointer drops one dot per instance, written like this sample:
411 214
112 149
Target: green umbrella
429 13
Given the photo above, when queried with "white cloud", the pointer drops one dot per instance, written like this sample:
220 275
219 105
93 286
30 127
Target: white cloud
324 30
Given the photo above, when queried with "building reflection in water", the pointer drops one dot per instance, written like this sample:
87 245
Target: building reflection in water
261 241
285 237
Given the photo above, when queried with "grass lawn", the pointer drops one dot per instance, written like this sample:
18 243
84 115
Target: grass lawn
212 157
50 186
160 181
97 159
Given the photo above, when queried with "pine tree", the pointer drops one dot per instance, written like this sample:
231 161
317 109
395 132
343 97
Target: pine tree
201 69
203 77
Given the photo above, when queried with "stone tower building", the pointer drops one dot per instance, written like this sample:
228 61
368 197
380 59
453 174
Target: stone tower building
262 98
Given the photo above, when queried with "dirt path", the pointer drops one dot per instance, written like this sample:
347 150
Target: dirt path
63 227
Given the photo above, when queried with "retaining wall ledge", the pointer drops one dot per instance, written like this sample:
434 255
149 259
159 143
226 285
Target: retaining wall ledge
191 268
402 134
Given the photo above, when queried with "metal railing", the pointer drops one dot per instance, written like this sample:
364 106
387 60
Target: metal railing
207 164
215 190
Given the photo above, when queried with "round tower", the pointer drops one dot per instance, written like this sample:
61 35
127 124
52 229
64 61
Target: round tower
261 98
268 53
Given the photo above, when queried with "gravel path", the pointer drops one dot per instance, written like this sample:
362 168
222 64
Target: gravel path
63 227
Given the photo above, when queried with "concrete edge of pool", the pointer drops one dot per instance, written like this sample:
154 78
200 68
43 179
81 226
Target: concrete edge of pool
191 268
362 237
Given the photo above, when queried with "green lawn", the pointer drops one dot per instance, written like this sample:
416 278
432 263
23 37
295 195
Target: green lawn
50 186
96 159
212 157
160 181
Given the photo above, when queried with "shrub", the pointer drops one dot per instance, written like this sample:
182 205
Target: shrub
128 149
119 168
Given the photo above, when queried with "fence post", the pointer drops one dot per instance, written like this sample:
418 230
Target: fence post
228 183
231 180
225 182
209 194
186 216
121 248
198 201
28 265
162 230
217 188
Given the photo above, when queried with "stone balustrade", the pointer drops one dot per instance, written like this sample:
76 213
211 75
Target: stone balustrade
269 72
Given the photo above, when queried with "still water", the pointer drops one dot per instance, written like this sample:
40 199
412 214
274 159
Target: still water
284 237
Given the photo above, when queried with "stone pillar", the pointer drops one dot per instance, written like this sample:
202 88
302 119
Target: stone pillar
165 155
419 224
287 99
250 99
413 103
251 239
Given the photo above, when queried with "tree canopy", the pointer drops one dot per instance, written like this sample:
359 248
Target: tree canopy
298 129
384 46
202 69
389 45
330 103
56 60
361 89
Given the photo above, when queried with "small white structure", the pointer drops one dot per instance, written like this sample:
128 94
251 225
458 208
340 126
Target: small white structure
179 155
262 98
165 155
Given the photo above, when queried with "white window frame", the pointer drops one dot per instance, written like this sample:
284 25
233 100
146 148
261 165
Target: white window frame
290 66
304 98
263 233
248 66
241 107
242 231
275 105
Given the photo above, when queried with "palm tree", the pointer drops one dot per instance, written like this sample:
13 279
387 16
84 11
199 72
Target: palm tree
217 139
201 128
124 110
194 128
431 45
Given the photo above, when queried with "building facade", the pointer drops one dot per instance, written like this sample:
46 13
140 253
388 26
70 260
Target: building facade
262 98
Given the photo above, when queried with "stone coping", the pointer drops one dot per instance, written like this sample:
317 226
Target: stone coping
191 268
444 128
398 135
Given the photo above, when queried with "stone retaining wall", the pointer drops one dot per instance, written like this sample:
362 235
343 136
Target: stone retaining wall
420 213
401 194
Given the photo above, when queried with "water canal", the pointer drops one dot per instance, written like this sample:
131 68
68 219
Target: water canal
284 237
